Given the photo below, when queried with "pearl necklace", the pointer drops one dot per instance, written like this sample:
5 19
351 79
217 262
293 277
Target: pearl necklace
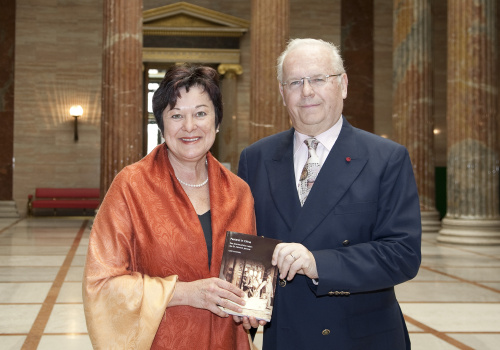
191 185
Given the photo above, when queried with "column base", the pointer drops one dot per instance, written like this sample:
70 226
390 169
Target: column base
430 221
472 232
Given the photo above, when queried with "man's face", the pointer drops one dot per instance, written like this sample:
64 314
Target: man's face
312 110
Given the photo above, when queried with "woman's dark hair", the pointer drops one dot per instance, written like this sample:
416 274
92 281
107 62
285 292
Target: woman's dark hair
187 76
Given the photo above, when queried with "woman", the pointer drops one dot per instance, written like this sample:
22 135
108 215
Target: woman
155 248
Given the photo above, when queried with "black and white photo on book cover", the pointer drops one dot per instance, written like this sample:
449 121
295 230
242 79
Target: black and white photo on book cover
246 263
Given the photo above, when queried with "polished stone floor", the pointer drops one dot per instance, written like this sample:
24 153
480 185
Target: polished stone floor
453 303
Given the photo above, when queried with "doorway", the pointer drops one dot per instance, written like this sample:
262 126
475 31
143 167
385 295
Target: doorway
153 75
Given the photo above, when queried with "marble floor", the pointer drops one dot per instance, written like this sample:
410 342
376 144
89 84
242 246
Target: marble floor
453 303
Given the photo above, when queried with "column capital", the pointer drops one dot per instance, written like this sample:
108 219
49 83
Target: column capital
230 68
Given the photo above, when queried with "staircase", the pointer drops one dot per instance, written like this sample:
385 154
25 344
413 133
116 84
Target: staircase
8 209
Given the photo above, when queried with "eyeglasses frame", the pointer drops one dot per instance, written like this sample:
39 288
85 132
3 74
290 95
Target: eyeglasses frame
309 79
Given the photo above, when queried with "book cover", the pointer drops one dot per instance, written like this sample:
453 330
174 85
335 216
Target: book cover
246 263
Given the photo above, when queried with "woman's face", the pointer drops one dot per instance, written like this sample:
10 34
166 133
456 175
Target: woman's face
189 127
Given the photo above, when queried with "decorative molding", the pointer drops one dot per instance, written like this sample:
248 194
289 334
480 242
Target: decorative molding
220 32
470 231
184 19
230 68
226 56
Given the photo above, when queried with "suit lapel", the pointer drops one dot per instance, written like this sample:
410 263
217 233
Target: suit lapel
281 177
340 169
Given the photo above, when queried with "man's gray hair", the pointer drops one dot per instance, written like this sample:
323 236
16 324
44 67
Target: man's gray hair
337 63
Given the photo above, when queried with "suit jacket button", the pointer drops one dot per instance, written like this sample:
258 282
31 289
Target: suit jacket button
325 332
282 283
346 242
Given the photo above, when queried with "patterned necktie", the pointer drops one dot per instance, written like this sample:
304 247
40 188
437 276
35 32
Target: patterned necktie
310 171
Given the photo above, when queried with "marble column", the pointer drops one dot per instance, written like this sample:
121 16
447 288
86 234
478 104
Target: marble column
7 63
121 121
357 49
413 120
227 139
472 215
269 35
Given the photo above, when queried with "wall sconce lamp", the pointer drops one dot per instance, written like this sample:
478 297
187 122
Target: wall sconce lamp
76 112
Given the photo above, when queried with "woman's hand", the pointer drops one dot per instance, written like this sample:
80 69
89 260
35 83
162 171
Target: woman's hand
249 322
208 294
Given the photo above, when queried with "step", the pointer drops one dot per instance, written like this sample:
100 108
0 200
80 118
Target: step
8 209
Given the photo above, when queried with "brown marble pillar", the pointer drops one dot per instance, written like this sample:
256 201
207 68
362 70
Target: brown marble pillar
269 34
7 61
227 139
121 121
472 215
357 50
413 120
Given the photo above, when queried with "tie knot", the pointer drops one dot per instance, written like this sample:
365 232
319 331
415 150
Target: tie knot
311 143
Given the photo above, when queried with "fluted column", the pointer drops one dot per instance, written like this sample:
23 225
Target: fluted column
472 215
413 120
121 120
269 34
227 140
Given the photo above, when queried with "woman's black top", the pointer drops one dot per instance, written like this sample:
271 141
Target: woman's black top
206 225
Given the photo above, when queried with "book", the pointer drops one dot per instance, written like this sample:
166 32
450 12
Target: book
246 263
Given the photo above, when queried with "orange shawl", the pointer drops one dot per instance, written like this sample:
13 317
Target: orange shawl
145 237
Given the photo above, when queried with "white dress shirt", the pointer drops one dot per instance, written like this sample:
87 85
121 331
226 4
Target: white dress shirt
300 153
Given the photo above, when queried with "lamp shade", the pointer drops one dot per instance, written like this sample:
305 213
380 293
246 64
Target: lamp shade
76 111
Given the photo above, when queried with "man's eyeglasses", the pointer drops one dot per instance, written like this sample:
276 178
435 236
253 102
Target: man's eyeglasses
315 81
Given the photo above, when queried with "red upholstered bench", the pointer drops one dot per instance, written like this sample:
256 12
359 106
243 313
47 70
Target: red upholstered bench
82 199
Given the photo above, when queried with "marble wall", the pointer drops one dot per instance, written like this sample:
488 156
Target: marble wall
58 64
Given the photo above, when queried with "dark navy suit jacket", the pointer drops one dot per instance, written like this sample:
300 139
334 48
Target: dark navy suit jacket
361 221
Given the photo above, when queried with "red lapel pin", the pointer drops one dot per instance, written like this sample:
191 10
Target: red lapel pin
347 159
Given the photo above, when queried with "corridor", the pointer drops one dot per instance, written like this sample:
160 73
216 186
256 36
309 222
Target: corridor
453 303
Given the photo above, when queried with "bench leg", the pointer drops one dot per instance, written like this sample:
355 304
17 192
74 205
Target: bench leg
30 207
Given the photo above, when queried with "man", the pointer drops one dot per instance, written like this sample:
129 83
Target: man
346 207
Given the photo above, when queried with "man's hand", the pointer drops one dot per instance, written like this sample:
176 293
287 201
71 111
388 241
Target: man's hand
293 258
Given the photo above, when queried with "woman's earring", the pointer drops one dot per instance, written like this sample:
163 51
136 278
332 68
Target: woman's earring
216 131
